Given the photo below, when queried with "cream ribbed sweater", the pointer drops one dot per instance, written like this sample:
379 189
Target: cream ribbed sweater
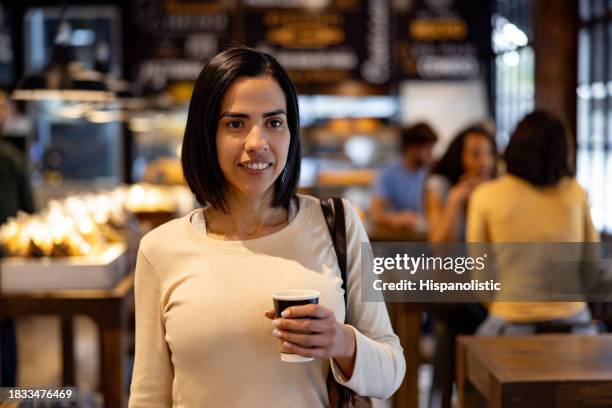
201 336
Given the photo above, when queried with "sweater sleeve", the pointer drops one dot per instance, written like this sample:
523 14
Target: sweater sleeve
379 360
152 377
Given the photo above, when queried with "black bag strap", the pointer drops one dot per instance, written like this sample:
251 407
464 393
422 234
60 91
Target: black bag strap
333 210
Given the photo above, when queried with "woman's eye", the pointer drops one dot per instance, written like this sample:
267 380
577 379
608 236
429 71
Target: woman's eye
234 124
275 123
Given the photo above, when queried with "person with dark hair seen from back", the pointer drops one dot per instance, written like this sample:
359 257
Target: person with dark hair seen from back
469 160
397 201
537 201
15 196
205 334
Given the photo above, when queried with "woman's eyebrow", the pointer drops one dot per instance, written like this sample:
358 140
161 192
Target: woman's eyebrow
246 116
234 115
274 113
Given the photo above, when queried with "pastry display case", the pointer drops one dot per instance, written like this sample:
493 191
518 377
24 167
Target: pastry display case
85 241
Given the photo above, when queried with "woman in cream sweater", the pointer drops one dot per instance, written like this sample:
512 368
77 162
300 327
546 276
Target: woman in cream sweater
204 335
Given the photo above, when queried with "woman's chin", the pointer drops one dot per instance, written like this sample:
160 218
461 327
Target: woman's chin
257 192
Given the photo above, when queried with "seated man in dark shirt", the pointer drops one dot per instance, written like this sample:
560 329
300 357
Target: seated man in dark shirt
15 195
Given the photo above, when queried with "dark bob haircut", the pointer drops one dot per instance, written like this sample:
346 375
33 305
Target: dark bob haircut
418 135
450 164
539 150
201 167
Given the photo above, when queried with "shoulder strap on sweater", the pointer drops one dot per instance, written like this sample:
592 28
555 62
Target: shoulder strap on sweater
333 210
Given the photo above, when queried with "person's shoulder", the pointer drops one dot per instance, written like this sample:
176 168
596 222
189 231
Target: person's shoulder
308 202
164 237
437 178
437 183
572 184
391 170
9 153
572 187
495 184
492 190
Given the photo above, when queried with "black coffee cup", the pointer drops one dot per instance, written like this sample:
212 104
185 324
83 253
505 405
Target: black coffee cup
285 299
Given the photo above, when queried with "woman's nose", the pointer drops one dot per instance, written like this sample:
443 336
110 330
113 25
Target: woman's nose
256 140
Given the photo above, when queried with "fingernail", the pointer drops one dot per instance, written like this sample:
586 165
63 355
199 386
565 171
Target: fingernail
276 322
277 333
287 344
285 313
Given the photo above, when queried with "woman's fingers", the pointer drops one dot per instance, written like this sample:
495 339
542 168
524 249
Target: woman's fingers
316 352
304 311
311 310
308 330
306 325
305 340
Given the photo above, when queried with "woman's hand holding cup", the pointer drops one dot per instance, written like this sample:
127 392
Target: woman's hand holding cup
313 331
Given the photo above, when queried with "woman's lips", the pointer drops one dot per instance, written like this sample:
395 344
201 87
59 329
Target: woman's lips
254 171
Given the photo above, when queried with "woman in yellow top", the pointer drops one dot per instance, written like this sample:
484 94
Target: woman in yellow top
538 201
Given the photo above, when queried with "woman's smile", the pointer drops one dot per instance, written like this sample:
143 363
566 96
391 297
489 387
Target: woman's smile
255 167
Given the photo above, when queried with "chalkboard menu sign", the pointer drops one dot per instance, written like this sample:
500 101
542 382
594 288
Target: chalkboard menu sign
441 39
175 37
319 42
6 50
323 41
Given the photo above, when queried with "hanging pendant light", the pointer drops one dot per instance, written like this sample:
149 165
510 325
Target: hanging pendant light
63 78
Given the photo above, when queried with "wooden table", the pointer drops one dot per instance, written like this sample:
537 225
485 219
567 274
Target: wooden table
109 308
535 371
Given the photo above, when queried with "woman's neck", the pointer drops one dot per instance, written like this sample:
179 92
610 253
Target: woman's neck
245 219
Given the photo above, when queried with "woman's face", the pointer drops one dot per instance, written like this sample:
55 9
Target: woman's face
253 136
478 157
